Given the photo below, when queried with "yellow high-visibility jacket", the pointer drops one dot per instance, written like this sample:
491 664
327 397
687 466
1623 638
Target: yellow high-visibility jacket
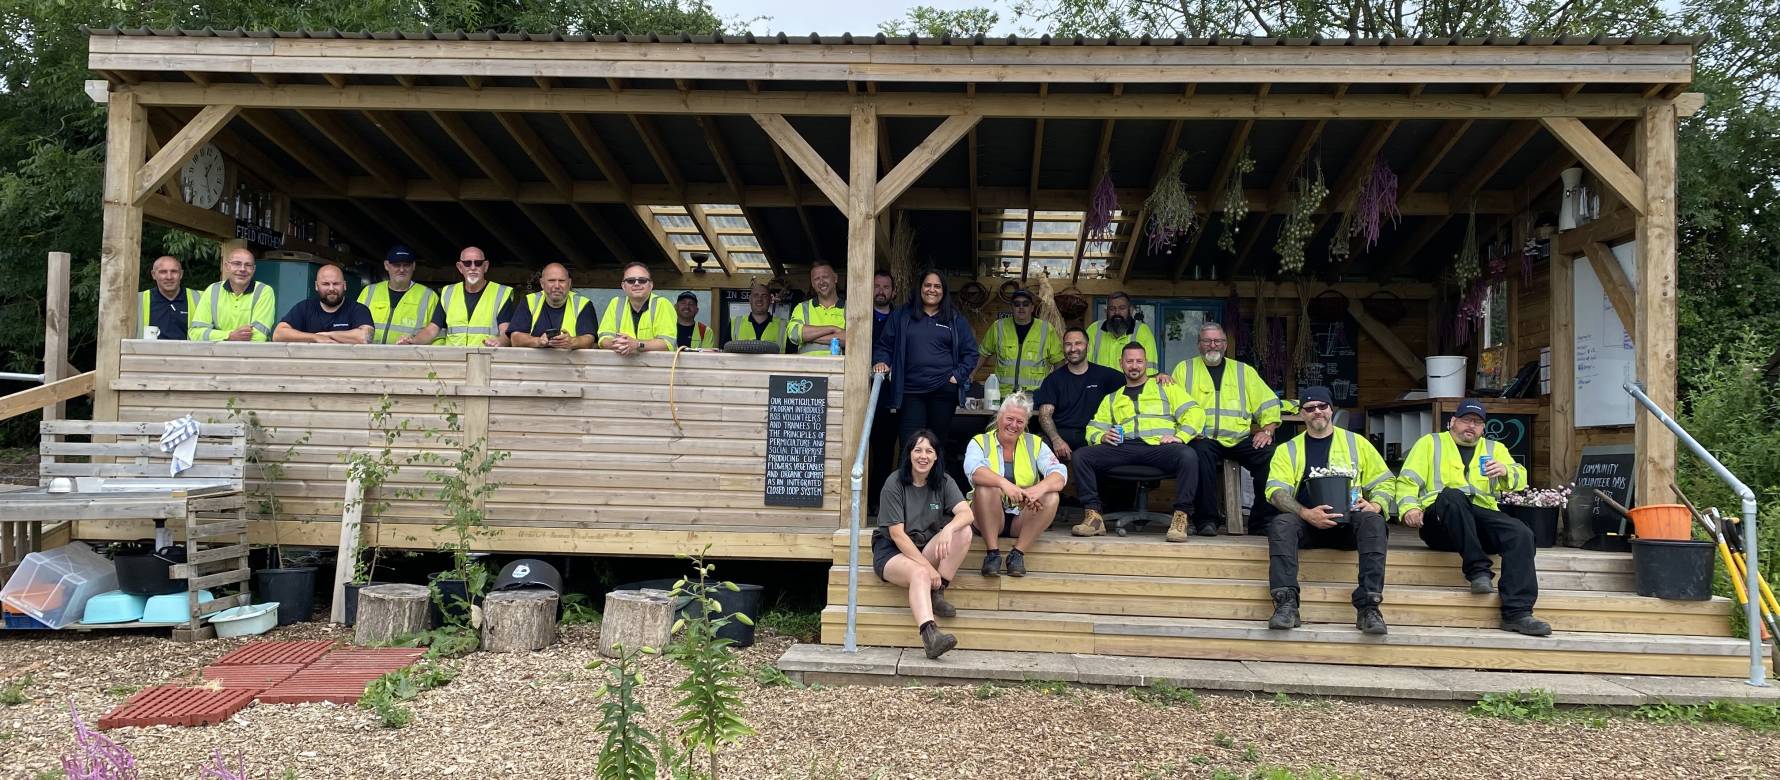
1022 365
1433 465
812 312
658 322
1233 406
221 310
409 317
1348 451
1161 410
465 328
1106 349
142 310
742 328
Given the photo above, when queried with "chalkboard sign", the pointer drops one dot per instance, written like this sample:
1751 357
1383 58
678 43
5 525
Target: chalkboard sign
1609 469
1333 361
796 440
1514 431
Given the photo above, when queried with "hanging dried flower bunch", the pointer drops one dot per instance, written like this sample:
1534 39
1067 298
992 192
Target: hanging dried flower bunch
1341 244
1172 210
1308 193
1466 267
1235 202
1376 203
1467 271
1101 206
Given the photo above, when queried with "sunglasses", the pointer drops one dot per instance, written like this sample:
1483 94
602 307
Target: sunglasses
1314 407
637 280
1020 304
472 263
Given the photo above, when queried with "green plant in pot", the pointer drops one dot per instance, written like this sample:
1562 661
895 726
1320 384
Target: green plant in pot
293 587
373 470
462 487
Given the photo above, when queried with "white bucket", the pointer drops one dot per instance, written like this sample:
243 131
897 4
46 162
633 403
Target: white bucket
1446 376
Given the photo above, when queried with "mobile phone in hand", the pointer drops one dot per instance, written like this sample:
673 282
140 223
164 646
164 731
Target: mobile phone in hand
552 333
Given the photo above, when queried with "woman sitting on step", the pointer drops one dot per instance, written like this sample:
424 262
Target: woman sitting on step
1016 482
915 544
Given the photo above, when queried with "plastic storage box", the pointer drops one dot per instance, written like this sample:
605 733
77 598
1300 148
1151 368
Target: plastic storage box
53 586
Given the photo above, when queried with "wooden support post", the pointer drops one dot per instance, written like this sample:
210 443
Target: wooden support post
1656 301
120 259
862 219
478 368
347 557
55 328
1563 369
1600 160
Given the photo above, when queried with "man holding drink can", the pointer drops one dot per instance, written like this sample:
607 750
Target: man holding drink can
1454 505
1144 423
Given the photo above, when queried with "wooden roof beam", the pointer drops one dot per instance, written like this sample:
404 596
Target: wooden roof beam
1462 194
473 146
795 189
1600 160
1548 172
535 150
1347 188
806 157
553 231
361 154
658 152
281 135
404 232
602 229
713 239
398 133
662 241
1038 150
452 230
732 175
159 169
904 174
501 229
596 150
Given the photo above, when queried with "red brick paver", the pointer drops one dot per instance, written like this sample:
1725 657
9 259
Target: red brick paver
254 677
175 706
340 676
277 653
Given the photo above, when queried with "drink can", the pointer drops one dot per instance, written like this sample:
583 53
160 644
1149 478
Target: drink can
1120 430
1353 497
1482 463
834 346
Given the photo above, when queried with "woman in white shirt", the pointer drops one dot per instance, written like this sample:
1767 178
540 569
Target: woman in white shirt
1017 481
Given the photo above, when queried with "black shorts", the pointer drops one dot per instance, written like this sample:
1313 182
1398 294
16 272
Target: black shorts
882 550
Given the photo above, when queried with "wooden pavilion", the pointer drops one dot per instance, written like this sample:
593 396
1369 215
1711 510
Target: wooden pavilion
769 153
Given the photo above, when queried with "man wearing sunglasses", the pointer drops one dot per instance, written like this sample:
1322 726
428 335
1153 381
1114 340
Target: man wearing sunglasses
1241 413
474 312
1358 524
1022 348
639 320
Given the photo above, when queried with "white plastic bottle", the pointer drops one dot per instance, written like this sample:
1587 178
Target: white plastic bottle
992 392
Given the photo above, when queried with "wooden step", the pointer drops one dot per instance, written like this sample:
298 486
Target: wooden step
1408 561
1323 602
1417 646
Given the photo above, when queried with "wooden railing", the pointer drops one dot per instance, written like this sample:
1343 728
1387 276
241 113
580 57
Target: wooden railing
43 396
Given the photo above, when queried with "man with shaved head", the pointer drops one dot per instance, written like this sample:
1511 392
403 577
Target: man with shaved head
328 318
555 318
474 312
236 308
167 306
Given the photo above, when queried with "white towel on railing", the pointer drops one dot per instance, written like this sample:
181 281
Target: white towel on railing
180 437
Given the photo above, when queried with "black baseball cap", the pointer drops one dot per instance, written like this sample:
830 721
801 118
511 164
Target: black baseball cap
1471 406
1316 393
1027 294
400 253
687 295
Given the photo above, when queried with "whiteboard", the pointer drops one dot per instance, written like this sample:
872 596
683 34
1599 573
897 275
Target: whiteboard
1605 357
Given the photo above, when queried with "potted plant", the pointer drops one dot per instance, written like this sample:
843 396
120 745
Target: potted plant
463 487
1331 486
1538 508
293 587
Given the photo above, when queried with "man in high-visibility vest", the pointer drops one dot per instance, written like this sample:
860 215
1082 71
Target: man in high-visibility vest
759 324
1303 525
639 320
555 318
1022 348
689 333
168 305
474 312
328 318
401 311
1107 338
1448 488
1016 485
1144 423
1241 413
236 308
822 317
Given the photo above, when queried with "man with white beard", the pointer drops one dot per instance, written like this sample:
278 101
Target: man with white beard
1241 413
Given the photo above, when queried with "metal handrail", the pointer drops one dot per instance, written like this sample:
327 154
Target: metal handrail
1757 675
851 644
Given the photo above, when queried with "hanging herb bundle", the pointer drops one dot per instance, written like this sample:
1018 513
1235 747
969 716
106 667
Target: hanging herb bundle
1101 206
1467 271
1341 244
1308 193
1466 267
1376 203
1171 208
1235 202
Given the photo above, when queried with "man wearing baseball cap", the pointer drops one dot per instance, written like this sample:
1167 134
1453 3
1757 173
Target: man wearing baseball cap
1448 488
401 311
690 333
1352 524
1022 348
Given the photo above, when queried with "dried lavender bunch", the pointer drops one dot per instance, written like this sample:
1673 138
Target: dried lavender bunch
1376 203
1101 207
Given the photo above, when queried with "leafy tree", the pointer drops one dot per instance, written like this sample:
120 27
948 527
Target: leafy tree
929 22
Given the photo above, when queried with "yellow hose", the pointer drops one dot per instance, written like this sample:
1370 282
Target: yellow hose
673 410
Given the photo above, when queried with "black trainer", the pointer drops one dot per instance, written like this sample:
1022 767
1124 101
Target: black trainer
1205 529
992 563
1371 621
942 607
1016 563
1526 624
1480 585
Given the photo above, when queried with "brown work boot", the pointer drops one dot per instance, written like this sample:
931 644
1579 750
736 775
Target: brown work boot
942 607
1181 529
1092 524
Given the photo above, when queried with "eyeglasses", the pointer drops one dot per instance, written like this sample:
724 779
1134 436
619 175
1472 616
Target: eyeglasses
1022 304
637 280
1214 342
472 263
1317 407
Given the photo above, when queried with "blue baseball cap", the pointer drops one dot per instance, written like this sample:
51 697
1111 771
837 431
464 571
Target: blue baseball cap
1471 406
400 253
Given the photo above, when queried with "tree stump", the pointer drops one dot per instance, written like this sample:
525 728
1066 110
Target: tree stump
519 621
635 620
389 611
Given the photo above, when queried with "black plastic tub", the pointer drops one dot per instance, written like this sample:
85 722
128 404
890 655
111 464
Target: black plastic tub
145 574
1543 521
746 601
293 588
1675 570
349 608
1332 492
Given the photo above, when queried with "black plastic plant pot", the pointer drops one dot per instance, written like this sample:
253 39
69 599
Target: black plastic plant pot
456 596
350 606
1331 492
1669 569
293 588
1543 520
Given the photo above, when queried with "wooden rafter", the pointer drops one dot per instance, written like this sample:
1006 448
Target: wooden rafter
398 133
553 170
905 173
533 146
1460 196
1095 172
1038 150
281 135
501 229
1221 179
1170 142
664 160
397 226
713 239
805 156
646 216
602 229
333 128
166 124
732 175
794 188
478 152
1600 160
168 158
553 231
596 149
452 230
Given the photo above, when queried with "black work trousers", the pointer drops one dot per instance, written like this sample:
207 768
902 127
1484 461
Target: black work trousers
1363 531
1177 460
1208 510
1454 524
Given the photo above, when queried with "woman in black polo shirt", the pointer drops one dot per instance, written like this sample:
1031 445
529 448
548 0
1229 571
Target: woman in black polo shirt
915 544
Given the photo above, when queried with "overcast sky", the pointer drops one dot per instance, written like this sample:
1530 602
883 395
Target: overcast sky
833 17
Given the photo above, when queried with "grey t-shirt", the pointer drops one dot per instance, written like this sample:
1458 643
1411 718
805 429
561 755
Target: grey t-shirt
920 509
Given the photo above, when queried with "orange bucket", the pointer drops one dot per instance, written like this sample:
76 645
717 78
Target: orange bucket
1663 521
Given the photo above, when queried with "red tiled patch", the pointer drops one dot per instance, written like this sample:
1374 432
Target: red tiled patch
340 676
277 653
385 659
254 677
175 706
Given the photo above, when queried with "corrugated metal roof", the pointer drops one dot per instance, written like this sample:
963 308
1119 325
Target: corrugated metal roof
889 40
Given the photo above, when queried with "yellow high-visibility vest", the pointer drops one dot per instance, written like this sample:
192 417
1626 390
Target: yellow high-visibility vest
1347 451
1022 365
1434 464
1233 406
408 318
1107 349
742 328
571 310
812 312
1161 410
191 308
464 328
221 310
658 321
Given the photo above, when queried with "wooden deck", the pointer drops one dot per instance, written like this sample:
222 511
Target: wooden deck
1139 596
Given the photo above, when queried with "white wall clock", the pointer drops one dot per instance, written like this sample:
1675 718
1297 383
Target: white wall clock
201 180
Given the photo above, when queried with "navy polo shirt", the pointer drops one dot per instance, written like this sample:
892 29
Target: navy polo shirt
168 315
308 316
928 364
550 318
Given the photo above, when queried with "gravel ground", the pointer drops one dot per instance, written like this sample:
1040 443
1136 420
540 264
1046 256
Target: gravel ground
535 716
